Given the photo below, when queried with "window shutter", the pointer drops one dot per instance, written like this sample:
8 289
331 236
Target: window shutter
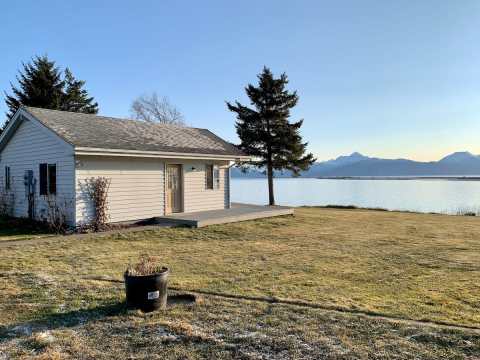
52 179
43 179
7 178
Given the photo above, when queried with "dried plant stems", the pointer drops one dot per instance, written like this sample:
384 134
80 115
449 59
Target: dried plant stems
147 265
7 201
97 189
56 216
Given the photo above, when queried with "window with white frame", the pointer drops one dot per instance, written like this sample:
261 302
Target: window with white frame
216 177
212 177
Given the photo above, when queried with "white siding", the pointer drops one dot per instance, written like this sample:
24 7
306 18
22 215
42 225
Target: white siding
31 145
136 190
196 196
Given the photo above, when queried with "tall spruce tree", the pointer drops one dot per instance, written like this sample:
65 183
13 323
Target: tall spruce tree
75 98
42 84
265 131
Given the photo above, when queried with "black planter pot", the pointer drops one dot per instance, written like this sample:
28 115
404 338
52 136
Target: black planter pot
147 293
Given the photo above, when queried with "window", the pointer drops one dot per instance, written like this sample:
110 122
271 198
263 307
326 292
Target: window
216 177
209 176
212 173
48 179
7 177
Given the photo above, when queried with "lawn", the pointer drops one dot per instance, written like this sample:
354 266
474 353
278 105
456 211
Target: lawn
367 278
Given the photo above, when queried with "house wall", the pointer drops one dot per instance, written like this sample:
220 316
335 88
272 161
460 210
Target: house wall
196 196
31 145
137 189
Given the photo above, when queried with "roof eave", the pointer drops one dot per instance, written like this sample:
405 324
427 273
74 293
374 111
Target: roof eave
12 126
157 154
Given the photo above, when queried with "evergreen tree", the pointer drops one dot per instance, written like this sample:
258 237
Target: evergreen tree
41 84
265 131
75 98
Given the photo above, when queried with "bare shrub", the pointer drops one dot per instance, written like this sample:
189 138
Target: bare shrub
7 201
147 265
56 214
468 211
96 189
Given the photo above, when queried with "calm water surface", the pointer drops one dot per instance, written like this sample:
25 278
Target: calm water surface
444 196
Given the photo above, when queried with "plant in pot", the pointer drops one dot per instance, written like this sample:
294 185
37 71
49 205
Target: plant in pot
146 284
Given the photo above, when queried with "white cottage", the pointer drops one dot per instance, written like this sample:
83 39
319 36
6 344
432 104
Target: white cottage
154 169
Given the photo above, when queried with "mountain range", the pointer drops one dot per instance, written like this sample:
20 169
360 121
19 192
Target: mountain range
356 164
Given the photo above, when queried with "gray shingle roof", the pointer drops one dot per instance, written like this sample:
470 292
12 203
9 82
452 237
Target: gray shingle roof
86 130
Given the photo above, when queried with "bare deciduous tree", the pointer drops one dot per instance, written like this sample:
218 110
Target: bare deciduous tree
151 108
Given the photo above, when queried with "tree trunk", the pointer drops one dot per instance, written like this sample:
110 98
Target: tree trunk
271 197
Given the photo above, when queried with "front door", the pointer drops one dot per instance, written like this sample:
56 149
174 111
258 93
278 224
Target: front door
174 189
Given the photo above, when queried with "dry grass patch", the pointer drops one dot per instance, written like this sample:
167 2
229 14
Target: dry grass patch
422 267
230 329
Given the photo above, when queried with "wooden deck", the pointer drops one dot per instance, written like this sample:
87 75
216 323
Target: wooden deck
237 212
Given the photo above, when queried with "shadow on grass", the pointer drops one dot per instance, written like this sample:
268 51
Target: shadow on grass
62 320
11 227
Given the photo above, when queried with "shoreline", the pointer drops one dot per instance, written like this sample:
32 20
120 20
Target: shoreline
448 178
460 212
451 178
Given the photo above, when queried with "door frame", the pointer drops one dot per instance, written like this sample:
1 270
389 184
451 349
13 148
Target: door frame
182 188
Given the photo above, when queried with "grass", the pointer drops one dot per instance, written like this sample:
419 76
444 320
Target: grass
399 265
20 229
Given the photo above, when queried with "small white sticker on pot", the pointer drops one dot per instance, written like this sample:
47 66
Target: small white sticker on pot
153 295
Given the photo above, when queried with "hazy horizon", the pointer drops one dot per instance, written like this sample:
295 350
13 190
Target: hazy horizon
396 158
387 79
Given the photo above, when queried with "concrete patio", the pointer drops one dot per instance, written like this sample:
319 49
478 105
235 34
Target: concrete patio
237 212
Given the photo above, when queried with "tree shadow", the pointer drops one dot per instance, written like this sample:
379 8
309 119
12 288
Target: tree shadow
62 320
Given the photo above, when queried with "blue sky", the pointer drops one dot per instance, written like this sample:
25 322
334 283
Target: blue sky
386 78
